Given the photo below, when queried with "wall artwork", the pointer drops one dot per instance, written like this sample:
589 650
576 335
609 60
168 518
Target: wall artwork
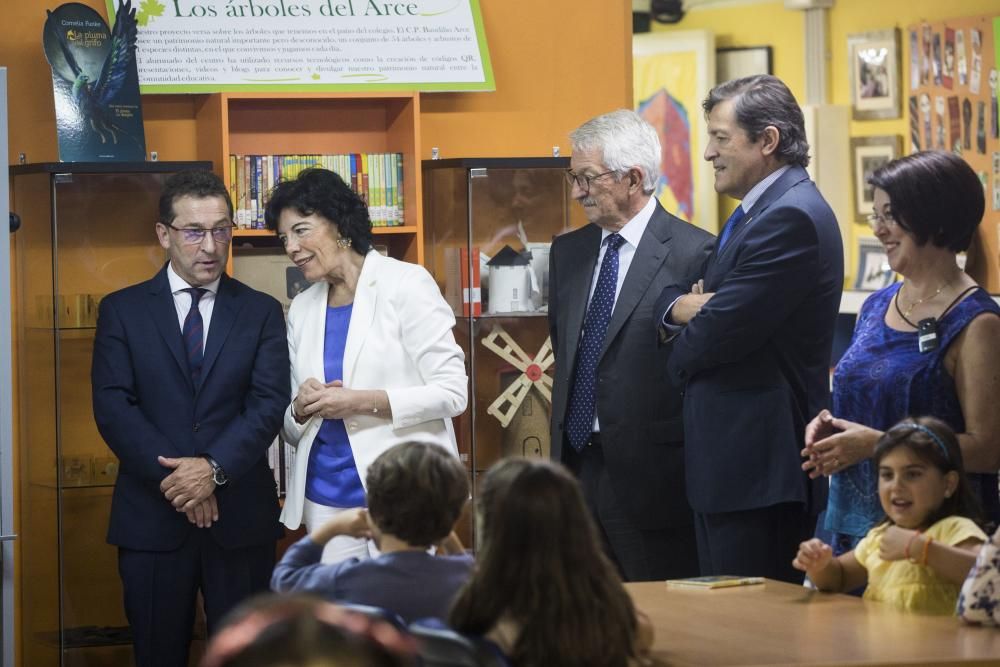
874 66
867 155
953 105
671 75
873 270
738 62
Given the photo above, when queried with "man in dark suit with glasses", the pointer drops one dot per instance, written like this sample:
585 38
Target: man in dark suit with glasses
190 382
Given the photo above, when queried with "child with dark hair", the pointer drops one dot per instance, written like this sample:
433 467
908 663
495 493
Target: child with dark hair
920 554
416 492
543 591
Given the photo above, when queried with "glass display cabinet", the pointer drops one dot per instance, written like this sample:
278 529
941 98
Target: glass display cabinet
488 226
87 230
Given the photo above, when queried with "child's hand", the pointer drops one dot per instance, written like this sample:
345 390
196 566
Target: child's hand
895 541
813 555
450 546
353 522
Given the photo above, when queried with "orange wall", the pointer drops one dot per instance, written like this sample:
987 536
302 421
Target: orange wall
549 79
556 63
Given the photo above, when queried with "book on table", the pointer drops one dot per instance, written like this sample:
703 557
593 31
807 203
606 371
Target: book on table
715 581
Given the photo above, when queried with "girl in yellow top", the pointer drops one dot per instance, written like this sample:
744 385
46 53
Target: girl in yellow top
917 559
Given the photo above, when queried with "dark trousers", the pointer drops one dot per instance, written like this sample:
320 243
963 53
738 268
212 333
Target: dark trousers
759 542
161 589
640 555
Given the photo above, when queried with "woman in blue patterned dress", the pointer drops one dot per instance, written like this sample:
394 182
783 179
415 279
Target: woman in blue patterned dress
929 345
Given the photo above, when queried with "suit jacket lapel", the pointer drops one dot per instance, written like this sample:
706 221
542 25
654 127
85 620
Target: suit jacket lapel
793 175
362 314
648 258
227 304
580 275
164 312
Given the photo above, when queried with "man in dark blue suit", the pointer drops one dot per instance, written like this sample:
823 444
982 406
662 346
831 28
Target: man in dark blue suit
751 342
190 381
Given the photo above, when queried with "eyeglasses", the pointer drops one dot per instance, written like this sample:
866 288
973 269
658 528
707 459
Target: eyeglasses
583 182
887 220
196 235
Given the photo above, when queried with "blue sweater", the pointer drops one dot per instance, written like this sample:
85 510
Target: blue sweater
414 584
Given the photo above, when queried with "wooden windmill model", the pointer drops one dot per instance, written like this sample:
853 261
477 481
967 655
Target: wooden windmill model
526 425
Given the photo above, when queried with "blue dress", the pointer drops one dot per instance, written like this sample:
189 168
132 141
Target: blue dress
883 378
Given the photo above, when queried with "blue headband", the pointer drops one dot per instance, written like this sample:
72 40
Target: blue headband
931 434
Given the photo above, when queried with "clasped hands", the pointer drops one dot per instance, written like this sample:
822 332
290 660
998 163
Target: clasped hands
190 489
834 444
329 400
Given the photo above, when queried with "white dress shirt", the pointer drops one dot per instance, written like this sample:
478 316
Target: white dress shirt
632 233
182 300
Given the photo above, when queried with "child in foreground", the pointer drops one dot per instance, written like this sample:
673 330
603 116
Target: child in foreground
416 492
918 557
543 591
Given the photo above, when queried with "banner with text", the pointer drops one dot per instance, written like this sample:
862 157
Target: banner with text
201 46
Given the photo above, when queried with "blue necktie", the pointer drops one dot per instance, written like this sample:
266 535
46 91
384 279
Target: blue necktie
735 218
194 332
583 399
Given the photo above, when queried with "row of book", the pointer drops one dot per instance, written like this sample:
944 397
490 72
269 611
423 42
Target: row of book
376 177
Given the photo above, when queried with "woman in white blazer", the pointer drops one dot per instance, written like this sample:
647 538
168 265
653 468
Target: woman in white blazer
374 360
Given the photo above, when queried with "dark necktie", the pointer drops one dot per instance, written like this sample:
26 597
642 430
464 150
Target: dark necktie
734 220
583 399
194 332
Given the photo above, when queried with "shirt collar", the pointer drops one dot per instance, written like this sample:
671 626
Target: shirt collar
177 283
634 229
756 191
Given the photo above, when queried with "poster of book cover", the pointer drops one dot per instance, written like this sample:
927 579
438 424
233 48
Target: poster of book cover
95 84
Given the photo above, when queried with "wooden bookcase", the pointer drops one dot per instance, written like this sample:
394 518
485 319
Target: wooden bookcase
318 123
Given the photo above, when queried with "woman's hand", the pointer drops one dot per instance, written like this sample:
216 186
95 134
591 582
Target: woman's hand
834 444
899 543
309 392
333 401
814 555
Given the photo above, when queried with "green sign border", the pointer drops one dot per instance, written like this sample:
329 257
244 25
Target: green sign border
487 85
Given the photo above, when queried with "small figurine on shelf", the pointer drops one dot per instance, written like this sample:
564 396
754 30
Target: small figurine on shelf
511 282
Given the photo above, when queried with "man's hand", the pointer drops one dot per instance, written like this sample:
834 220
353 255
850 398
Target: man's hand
190 482
686 307
204 513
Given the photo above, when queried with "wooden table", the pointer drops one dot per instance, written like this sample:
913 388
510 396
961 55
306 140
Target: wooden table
782 624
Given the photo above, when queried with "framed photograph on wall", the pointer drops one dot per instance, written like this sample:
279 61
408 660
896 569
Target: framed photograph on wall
873 270
867 155
874 67
738 62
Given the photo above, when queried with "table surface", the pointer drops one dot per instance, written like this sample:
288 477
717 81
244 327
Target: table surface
782 624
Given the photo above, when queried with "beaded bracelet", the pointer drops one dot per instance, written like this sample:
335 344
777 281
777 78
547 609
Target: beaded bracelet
927 546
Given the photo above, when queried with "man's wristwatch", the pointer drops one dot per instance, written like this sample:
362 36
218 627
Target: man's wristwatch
218 474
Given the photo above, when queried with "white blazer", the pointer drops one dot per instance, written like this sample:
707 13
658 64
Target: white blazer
400 339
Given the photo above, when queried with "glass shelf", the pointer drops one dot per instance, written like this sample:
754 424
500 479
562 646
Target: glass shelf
86 233
488 225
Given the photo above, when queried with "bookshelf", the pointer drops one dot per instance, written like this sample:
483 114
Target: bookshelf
317 123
